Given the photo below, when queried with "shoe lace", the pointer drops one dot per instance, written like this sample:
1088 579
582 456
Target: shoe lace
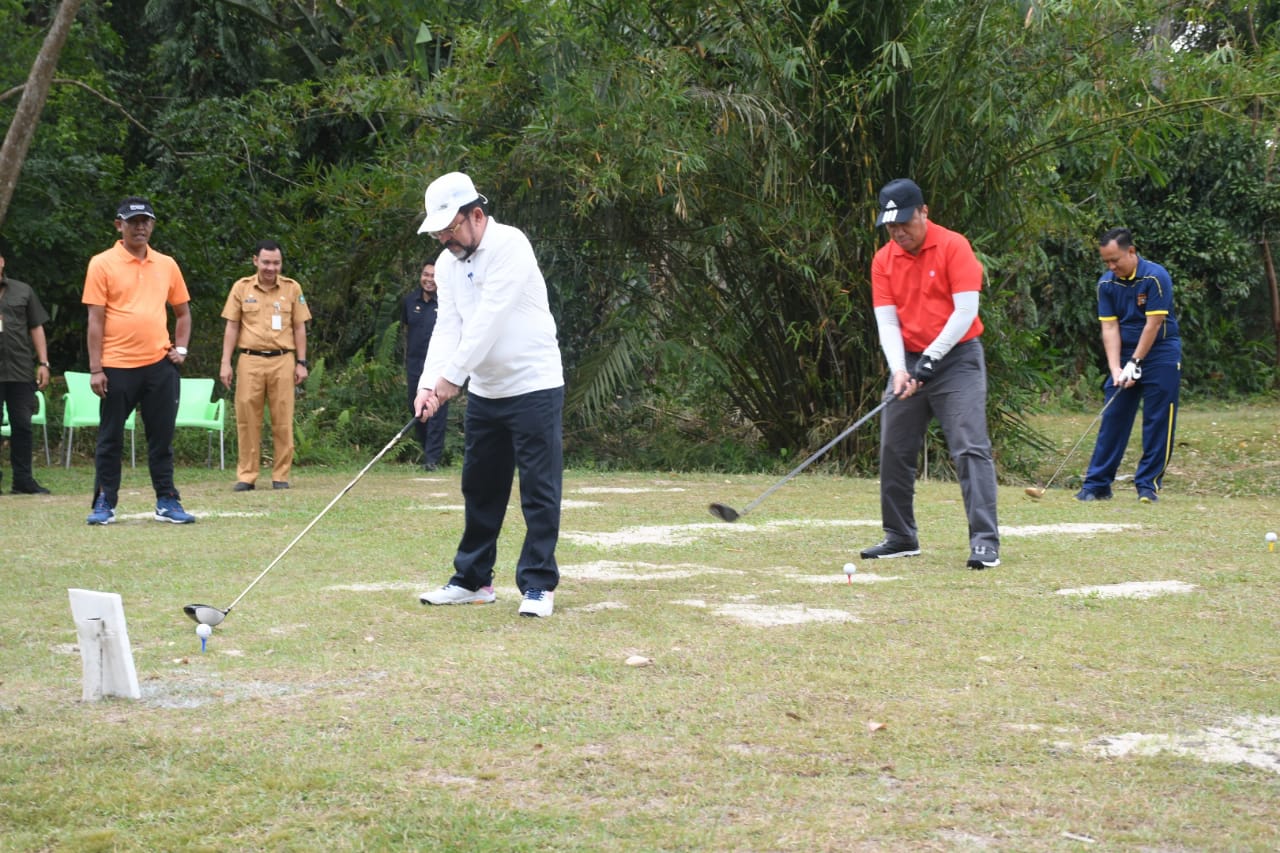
100 505
534 594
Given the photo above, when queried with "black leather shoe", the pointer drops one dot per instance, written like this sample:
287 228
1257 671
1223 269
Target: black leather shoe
242 487
32 488
279 484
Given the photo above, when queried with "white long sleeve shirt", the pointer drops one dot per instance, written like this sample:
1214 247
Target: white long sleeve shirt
494 324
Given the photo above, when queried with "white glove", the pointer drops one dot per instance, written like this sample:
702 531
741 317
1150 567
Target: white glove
1132 371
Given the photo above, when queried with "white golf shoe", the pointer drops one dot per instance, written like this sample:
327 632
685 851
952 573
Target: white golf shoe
454 594
537 602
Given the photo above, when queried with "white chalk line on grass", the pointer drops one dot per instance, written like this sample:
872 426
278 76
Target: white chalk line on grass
612 570
1132 589
771 615
1240 740
683 534
1081 529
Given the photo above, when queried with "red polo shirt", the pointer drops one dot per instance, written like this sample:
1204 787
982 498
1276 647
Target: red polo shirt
921 286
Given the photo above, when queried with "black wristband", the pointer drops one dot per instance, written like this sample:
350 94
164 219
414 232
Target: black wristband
303 362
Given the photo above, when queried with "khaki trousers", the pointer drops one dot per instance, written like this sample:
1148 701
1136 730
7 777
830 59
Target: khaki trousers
264 381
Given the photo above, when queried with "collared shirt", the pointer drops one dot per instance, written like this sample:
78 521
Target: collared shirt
494 325
134 293
256 308
418 315
20 312
1130 301
920 286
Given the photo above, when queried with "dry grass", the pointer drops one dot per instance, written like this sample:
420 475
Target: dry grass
945 710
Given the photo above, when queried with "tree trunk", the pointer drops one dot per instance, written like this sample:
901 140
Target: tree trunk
1275 292
23 128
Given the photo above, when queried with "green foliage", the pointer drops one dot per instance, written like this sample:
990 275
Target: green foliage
697 179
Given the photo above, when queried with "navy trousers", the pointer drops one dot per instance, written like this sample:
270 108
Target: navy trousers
1157 392
525 432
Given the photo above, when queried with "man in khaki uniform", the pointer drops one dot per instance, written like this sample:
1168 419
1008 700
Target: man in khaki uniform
266 316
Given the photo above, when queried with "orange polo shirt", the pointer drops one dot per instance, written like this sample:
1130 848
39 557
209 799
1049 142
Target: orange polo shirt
135 293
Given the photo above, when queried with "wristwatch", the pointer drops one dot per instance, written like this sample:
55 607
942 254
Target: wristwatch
302 362
182 351
42 363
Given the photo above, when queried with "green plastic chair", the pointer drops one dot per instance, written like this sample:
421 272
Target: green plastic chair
38 417
198 410
81 409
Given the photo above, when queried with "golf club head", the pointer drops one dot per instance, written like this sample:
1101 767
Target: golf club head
1034 492
724 512
205 614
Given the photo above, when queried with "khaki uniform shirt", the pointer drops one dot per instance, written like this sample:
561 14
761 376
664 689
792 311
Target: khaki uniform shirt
266 317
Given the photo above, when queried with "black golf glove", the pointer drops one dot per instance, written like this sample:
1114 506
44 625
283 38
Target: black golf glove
926 367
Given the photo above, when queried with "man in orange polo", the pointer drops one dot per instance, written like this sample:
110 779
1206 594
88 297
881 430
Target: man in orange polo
266 316
131 362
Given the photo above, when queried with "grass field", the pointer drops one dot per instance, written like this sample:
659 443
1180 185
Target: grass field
778 706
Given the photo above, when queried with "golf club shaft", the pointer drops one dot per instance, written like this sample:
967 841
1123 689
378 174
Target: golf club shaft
1088 430
816 454
336 498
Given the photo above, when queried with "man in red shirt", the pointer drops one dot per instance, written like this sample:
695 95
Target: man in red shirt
924 288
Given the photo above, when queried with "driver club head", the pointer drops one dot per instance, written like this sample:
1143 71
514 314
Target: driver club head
724 512
205 614
1034 492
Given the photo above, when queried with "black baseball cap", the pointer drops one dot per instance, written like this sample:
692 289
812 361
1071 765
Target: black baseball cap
134 206
898 201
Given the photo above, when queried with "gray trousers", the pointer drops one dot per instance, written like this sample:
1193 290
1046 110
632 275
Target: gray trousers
957 397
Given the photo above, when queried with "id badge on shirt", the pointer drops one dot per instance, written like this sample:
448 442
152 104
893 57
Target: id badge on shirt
275 323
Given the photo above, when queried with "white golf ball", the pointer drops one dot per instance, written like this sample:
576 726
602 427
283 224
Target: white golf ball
850 568
1271 537
204 631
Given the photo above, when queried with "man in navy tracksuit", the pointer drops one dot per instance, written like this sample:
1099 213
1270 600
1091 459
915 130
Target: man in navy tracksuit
1140 332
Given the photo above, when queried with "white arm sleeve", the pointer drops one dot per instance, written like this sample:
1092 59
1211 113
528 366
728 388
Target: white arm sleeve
966 311
891 338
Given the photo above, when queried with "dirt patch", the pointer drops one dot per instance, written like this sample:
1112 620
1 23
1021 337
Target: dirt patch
1254 741
1132 589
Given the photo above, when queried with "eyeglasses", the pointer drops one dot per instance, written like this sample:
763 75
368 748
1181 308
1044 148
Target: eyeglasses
447 232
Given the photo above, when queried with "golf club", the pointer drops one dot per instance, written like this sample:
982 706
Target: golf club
1037 493
724 512
207 614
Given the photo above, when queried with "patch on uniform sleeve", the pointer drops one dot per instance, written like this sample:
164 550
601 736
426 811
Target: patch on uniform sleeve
1142 300
302 299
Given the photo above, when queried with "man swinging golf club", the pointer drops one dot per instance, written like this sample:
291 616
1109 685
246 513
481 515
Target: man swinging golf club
1139 331
494 329
924 288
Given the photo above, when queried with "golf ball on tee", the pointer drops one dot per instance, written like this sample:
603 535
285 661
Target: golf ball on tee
1271 537
204 631
850 568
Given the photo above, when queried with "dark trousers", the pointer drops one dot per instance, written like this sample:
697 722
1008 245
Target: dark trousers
20 400
1157 393
431 434
524 432
154 391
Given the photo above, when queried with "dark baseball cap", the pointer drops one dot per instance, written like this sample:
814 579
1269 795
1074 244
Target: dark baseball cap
134 206
898 201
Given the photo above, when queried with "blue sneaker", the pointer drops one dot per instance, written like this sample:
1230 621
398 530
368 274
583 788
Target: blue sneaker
1147 496
102 511
169 509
